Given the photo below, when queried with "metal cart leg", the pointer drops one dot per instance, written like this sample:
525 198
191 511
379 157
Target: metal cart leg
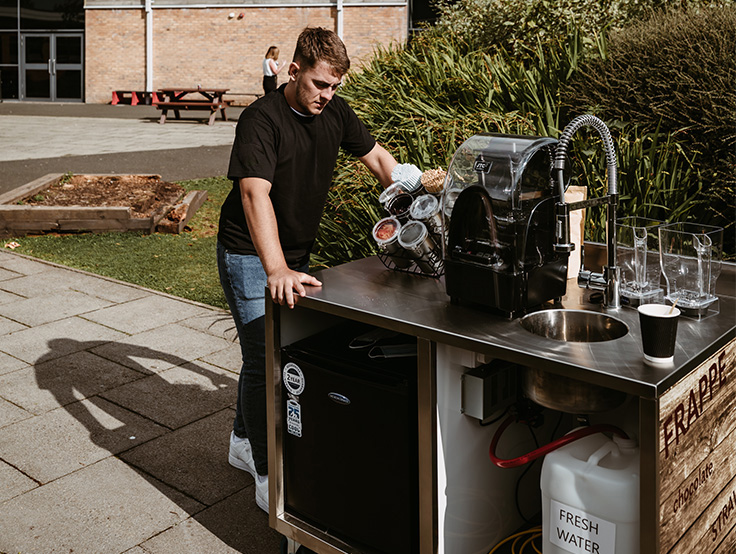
289 546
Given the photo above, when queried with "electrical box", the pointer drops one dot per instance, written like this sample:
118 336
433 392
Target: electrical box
489 388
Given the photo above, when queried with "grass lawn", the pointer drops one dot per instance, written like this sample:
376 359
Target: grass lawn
184 265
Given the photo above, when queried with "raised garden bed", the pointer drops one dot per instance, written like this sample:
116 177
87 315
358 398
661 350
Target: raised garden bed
97 203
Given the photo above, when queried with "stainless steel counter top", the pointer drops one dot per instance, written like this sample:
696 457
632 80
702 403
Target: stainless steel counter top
364 290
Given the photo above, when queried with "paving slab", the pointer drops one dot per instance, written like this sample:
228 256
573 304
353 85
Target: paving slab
6 297
52 307
9 364
56 339
67 439
48 385
106 507
59 279
217 322
145 313
14 482
230 359
8 326
193 460
161 348
220 529
6 274
179 395
10 413
21 264
241 524
94 136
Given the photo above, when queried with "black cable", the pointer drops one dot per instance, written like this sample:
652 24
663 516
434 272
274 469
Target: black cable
554 431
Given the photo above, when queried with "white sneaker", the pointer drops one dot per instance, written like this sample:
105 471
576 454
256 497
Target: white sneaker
241 455
262 492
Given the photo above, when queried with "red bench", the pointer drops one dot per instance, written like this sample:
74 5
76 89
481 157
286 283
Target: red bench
133 97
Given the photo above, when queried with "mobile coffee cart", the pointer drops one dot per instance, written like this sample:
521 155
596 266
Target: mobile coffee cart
682 414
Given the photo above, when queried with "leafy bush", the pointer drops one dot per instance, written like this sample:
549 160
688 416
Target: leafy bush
513 24
657 177
676 73
441 94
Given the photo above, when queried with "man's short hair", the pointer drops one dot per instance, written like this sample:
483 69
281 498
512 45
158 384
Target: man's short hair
316 44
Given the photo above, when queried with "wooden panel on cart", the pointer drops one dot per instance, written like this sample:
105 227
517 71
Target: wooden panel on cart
697 459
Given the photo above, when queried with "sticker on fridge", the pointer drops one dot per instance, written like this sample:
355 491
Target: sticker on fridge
293 378
293 418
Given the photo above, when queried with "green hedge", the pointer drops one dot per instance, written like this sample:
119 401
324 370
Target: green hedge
674 72
424 99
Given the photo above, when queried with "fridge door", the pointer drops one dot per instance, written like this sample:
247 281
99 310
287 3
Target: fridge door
350 444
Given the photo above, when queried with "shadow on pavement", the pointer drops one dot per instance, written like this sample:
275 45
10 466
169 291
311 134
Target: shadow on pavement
168 419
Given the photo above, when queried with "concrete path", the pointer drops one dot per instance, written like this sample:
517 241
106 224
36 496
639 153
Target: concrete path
116 402
115 409
39 138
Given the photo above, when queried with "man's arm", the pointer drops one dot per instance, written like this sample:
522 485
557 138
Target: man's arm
380 163
282 281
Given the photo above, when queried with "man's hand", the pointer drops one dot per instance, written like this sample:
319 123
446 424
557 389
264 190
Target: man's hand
283 284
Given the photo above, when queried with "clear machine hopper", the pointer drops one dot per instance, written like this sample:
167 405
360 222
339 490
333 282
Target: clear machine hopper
499 205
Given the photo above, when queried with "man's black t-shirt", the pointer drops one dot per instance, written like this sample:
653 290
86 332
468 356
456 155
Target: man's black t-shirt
297 155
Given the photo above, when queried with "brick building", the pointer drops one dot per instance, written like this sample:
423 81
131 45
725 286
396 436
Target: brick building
86 51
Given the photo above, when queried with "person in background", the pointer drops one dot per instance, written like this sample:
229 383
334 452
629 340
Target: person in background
281 165
271 69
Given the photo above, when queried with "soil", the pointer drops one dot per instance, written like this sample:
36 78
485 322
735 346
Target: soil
144 194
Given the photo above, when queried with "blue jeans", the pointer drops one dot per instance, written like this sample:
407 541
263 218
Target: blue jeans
243 281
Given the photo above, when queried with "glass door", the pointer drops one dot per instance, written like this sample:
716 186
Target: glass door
52 68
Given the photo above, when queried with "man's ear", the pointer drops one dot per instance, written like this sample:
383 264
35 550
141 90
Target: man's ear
293 70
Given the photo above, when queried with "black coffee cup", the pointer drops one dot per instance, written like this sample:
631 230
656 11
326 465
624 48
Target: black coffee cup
658 332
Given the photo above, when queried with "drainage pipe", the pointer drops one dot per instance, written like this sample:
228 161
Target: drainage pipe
149 46
340 18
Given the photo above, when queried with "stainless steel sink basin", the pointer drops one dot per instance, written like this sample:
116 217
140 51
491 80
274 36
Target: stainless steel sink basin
574 325
565 394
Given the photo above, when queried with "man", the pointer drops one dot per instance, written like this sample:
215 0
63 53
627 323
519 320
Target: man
285 150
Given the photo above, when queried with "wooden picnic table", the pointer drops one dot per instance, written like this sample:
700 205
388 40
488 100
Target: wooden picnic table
198 98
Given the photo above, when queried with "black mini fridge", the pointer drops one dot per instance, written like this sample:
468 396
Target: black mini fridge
350 436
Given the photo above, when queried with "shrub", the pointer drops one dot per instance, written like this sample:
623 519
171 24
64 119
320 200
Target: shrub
422 100
674 72
657 177
511 24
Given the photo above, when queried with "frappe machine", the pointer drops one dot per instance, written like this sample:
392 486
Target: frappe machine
499 204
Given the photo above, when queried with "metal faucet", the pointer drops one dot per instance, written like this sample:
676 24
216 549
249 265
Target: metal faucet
609 280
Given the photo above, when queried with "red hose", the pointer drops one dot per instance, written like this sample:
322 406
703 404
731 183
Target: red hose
547 448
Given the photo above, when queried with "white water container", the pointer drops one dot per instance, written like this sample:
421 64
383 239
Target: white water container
590 497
